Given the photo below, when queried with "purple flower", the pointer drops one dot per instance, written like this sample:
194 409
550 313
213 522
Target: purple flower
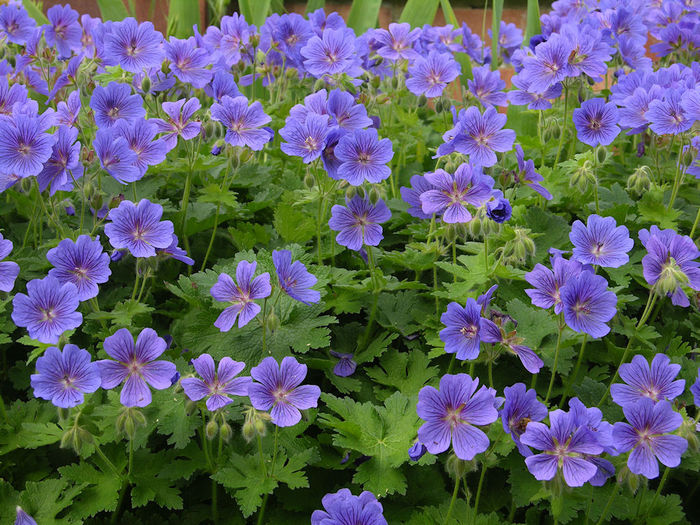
216 384
331 54
358 222
690 102
188 62
547 283
345 366
8 270
525 96
179 123
635 106
116 157
596 122
695 390
140 135
15 24
487 87
64 376
411 195
451 413
656 383
430 76
521 406
481 136
601 242
670 263
10 94
564 446
222 83
24 147
138 228
417 451
345 112
590 53
667 116
294 279
64 166
64 32
278 388
549 65
527 174
342 508
22 517
67 112
136 366
176 252
305 139
510 38
242 122
588 304
465 329
499 209
134 46
82 263
115 102
648 437
452 193
397 42
363 157
226 43
48 310
241 295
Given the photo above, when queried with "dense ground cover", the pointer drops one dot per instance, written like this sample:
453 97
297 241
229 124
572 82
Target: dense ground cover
294 273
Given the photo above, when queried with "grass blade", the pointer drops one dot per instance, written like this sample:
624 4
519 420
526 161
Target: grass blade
364 15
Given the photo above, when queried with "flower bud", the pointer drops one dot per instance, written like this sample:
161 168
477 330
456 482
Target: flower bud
70 211
309 181
422 101
438 106
225 432
601 155
457 468
248 431
520 247
672 276
216 150
474 227
319 84
450 232
350 192
260 427
146 84
211 129
212 429
375 194
190 407
640 149
688 156
272 322
395 82
417 451
640 181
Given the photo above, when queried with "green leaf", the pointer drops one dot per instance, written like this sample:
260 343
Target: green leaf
44 500
112 10
255 11
123 314
245 478
182 16
419 12
534 324
497 11
101 494
293 225
533 26
449 13
407 372
173 421
312 5
652 208
363 15
34 9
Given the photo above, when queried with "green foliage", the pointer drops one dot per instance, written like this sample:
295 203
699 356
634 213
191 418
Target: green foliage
419 12
363 15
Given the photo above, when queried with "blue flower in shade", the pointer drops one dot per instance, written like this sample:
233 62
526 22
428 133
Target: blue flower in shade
430 76
520 407
596 122
359 222
8 270
465 329
670 263
588 304
63 167
135 365
63 377
345 366
179 123
527 175
305 139
331 54
411 195
452 193
452 413
188 62
657 382
342 508
24 146
82 262
565 446
175 252
241 294
116 157
216 384
667 116
242 122
278 389
15 23
294 279
487 86
23 518
601 242
363 157
48 310
64 31
397 42
115 102
499 209
134 46
140 136
139 228
648 436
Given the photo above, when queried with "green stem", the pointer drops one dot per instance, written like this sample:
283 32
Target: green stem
185 202
595 187
131 458
435 287
143 285
454 260
319 213
478 489
556 360
214 502
667 471
274 452
490 368
262 458
613 493
695 224
104 458
452 501
264 326
452 363
486 254
572 378
224 187
261 512
678 178
136 281
565 124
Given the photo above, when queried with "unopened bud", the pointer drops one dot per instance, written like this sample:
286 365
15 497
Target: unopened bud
350 192
212 429
457 468
309 181
374 195
438 106
260 427
422 101
248 431
395 82
272 322
146 84
601 155
640 181
225 432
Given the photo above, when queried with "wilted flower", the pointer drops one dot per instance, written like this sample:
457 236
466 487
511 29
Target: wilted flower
345 366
